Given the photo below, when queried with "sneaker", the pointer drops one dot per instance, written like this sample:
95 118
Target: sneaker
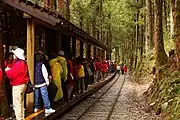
49 111
74 96
36 110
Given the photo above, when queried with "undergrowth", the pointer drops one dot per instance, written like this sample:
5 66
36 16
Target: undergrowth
144 69
163 95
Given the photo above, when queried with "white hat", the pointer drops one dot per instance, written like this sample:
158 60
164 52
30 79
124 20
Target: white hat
19 53
61 53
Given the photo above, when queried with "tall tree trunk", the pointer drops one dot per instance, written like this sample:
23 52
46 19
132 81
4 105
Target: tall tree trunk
122 54
160 55
137 39
133 54
81 22
165 13
87 26
110 33
176 21
172 6
94 23
66 9
101 24
149 18
117 53
141 44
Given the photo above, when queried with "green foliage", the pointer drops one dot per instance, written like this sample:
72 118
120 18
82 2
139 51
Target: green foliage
119 16
166 92
117 13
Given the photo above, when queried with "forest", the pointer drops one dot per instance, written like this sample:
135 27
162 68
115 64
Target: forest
145 34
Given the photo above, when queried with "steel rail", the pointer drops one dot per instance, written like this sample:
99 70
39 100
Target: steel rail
116 99
97 99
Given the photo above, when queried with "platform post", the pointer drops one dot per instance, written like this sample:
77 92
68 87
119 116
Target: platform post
95 52
107 56
81 49
88 53
74 47
66 45
98 53
30 61
68 42
58 41
101 54
104 54
4 104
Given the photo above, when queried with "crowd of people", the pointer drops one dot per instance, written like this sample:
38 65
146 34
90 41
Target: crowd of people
57 77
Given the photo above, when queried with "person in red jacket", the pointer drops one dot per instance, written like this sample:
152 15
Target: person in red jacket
98 73
0 76
115 66
9 63
18 76
71 74
104 68
125 69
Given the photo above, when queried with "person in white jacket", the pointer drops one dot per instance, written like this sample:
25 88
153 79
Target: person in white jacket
118 69
41 83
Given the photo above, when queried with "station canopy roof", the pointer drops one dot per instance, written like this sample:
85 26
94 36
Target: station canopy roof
56 20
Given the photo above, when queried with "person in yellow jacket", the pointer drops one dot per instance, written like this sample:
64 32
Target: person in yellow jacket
62 60
56 70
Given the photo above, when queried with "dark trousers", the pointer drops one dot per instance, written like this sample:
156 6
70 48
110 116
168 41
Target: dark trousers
65 92
8 91
87 81
81 85
92 79
122 71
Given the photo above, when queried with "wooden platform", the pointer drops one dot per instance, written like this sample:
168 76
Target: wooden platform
62 108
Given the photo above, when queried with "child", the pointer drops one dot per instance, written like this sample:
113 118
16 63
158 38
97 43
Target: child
41 83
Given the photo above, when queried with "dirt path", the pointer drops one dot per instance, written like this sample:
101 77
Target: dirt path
130 105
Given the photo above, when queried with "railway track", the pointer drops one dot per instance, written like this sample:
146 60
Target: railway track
99 107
